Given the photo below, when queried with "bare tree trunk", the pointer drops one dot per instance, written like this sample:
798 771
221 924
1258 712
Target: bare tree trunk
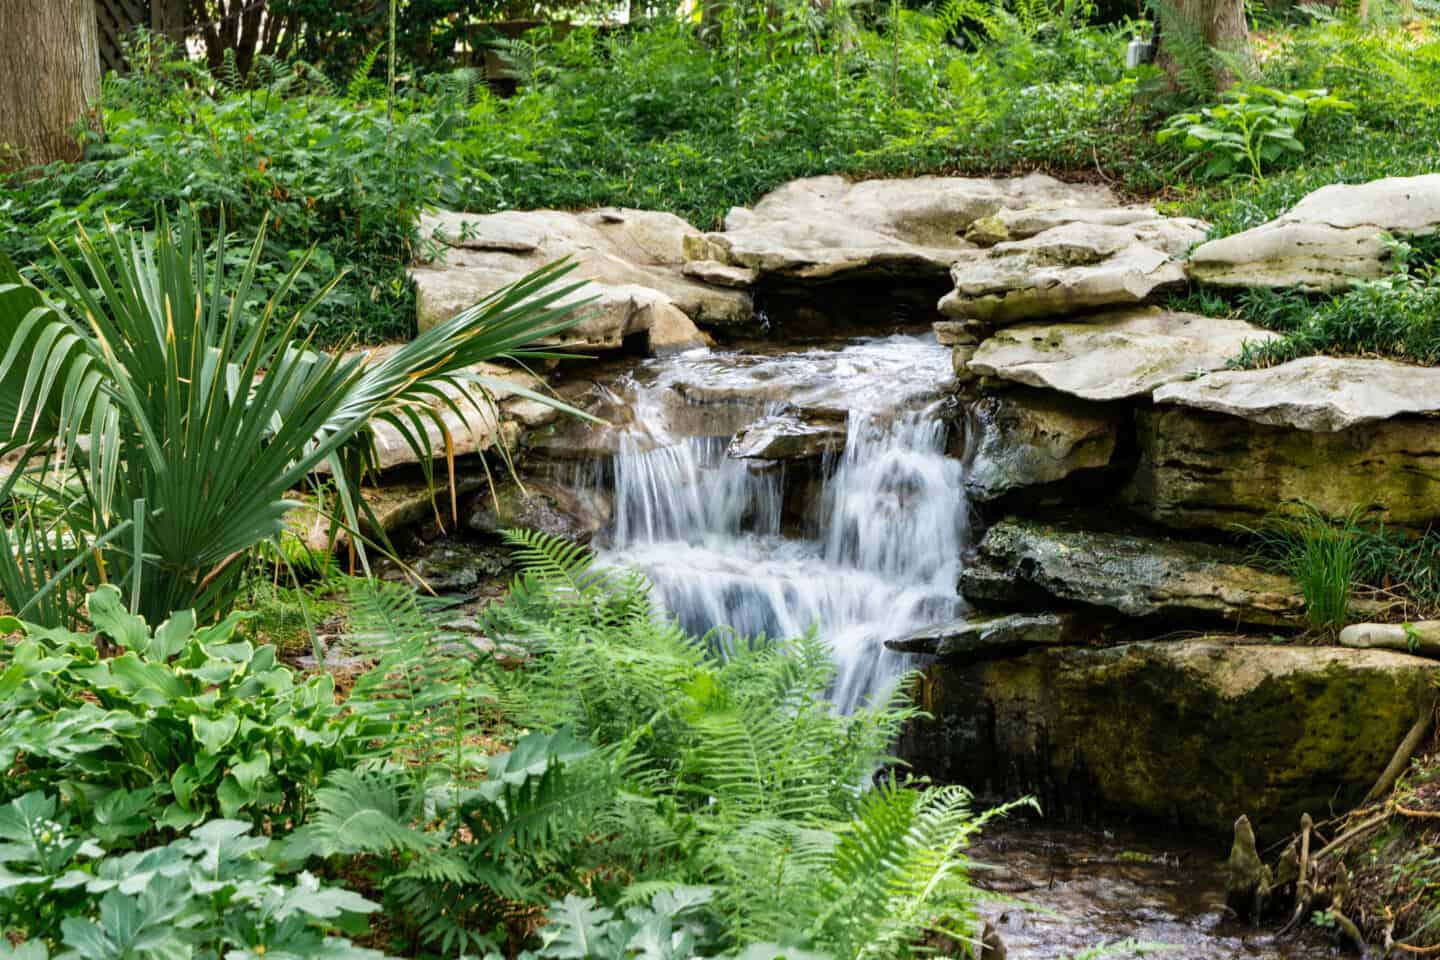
1217 24
50 72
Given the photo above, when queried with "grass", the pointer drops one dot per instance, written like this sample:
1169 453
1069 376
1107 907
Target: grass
1336 560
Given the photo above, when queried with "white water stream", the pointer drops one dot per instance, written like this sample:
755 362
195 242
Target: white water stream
877 553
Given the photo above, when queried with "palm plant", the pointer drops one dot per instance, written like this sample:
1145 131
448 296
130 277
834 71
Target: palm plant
160 419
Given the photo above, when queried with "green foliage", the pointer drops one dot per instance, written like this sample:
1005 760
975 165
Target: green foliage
176 725
1252 128
141 351
1333 559
1397 316
211 893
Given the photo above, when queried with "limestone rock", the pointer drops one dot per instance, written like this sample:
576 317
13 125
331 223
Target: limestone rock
545 507
1021 560
1125 353
1323 394
1421 638
1199 469
633 261
825 227
1190 730
1330 238
1074 265
720 274
1026 437
795 435
987 636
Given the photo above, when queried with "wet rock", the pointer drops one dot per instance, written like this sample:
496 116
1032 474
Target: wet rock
1192 731
1314 393
395 506
544 507
1329 239
1126 353
1072 266
790 436
1025 438
446 568
987 636
633 259
1421 638
826 227
950 333
1199 469
1019 560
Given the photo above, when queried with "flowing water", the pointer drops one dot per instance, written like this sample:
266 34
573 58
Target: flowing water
875 553
867 546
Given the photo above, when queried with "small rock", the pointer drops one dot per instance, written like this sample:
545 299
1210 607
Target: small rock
982 636
950 333
1421 637
1027 437
793 436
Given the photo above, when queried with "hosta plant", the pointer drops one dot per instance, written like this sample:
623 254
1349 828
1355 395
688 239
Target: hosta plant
1251 129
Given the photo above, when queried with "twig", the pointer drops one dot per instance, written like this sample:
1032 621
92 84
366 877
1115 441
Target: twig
1364 827
1423 814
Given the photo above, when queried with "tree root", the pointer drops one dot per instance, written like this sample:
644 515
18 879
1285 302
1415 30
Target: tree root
1404 752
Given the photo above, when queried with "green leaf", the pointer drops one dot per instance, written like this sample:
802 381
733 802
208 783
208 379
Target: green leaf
215 733
107 611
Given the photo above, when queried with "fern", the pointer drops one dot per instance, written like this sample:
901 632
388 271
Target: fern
359 85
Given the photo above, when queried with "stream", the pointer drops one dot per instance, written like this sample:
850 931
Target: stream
859 531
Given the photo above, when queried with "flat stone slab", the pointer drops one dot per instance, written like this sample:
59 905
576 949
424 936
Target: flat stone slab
795 435
1322 394
633 260
1198 731
1205 470
1329 239
822 228
1114 356
1025 438
1075 265
1138 576
983 637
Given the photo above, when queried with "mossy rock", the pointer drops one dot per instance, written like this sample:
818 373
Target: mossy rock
1196 732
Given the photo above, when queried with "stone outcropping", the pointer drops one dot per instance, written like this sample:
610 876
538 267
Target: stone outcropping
1321 394
1075 265
633 260
1205 470
985 637
1193 731
824 228
1113 356
1028 562
1329 239
1025 438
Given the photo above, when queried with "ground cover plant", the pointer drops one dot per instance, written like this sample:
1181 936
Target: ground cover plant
656 115
640 791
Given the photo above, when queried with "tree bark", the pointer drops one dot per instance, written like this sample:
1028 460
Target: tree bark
50 72
1218 24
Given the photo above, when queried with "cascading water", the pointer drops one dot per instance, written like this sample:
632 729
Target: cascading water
877 553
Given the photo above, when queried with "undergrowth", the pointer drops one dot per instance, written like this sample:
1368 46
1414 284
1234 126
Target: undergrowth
632 791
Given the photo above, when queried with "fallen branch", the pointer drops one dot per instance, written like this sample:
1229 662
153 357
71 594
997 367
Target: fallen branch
1404 752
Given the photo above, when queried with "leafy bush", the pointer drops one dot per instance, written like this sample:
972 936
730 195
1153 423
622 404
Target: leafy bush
200 413
1253 128
179 724
212 893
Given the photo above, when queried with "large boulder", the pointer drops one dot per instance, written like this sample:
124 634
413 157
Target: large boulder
1113 356
1194 731
1199 469
824 228
633 260
1023 561
1077 264
1334 236
1323 394
1024 438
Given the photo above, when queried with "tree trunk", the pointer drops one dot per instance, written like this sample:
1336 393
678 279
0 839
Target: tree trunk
50 71
1187 25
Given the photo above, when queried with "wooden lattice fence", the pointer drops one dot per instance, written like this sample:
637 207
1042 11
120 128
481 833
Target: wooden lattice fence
118 19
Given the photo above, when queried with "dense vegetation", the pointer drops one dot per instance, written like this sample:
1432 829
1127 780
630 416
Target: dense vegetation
644 792
655 116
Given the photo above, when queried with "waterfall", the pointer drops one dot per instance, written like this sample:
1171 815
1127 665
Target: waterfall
875 556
